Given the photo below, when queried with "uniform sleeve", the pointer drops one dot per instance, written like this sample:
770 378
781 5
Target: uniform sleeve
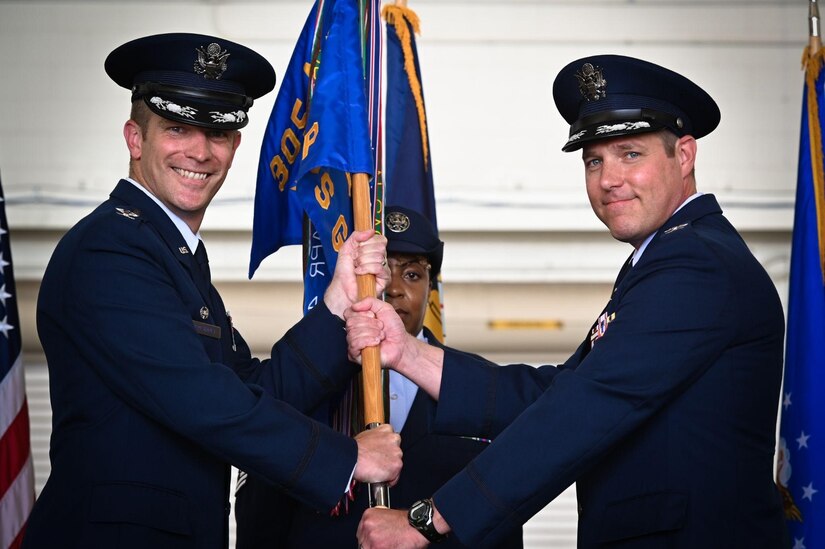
132 325
480 398
308 364
672 322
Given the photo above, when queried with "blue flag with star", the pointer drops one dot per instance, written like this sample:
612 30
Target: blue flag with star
317 135
801 464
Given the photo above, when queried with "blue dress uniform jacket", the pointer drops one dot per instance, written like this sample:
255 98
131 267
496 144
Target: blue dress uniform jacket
151 405
267 521
667 425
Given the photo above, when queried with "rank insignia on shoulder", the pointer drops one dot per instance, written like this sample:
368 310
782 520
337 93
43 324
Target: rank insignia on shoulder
675 228
601 327
128 214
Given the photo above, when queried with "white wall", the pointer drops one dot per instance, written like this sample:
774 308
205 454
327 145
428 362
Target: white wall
488 70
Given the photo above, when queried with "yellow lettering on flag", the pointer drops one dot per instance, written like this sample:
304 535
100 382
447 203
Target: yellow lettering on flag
309 138
325 191
339 233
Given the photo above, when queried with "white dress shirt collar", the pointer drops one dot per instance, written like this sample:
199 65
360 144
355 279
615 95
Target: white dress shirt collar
191 238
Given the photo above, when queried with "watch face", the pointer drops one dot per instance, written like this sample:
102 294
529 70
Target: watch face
419 512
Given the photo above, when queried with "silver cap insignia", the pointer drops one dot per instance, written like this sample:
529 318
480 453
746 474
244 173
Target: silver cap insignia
398 222
592 85
211 62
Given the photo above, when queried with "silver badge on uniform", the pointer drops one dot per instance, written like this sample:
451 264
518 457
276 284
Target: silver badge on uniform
398 222
592 85
676 228
128 214
211 61
204 313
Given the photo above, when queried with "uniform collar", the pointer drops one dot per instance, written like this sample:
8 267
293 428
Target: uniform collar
637 255
191 238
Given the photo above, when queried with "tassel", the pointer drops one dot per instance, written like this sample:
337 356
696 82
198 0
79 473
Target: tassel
399 17
812 64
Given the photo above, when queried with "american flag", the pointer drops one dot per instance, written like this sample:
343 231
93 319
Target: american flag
16 471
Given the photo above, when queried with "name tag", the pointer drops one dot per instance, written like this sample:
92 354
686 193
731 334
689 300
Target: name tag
208 330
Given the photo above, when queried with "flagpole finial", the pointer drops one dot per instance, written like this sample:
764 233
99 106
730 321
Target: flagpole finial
815 41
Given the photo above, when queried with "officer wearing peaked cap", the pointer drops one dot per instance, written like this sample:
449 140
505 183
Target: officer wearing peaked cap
154 392
665 415
414 254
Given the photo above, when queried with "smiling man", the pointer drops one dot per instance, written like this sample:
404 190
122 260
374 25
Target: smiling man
665 416
154 392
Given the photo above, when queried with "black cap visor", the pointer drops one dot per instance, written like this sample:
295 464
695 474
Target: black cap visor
205 110
604 125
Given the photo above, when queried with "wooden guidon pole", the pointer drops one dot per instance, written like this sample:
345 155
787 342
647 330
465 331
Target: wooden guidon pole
371 356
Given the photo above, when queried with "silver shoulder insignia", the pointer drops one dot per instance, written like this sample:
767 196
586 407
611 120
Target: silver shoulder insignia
128 214
676 228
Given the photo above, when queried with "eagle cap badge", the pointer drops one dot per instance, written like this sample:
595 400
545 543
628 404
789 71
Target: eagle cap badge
592 85
211 61
398 222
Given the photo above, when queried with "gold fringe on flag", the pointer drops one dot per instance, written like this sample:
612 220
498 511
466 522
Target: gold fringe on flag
812 61
399 16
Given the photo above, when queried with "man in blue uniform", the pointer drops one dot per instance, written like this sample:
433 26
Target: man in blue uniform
665 415
267 519
154 393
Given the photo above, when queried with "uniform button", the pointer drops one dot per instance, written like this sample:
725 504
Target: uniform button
393 396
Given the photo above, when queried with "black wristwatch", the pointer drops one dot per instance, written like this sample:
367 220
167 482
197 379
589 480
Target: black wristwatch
420 516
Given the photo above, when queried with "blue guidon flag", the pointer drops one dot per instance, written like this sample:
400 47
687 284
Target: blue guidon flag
317 134
800 471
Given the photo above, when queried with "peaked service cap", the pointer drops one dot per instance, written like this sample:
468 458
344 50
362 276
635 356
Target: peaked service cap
604 96
192 78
